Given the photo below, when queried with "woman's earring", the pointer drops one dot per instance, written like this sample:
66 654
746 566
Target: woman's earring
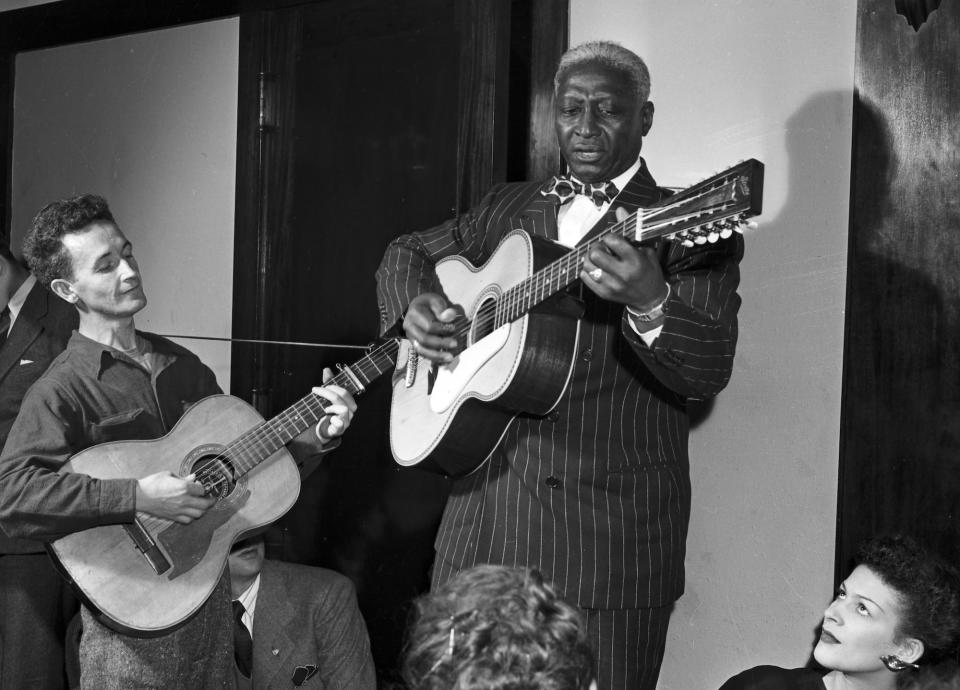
895 663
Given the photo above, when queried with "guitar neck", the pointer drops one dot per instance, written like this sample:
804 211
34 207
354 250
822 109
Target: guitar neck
263 440
702 213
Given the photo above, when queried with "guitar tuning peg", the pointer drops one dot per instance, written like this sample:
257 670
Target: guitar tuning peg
726 232
687 242
713 237
751 224
700 239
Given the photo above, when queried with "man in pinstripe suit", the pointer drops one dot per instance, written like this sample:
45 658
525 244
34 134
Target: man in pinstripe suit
596 495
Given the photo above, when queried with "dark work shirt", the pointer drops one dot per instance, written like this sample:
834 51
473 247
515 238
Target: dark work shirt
91 394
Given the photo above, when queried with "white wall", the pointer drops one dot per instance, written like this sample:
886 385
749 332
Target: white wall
772 80
6 5
150 122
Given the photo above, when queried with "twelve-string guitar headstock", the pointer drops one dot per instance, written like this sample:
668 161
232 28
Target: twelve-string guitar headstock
709 210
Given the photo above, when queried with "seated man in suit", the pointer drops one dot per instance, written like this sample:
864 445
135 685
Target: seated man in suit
112 383
35 326
304 621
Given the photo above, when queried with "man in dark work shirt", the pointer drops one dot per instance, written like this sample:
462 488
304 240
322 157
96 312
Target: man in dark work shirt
116 383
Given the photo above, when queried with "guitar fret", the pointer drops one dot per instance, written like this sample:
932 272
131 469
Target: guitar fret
686 214
262 441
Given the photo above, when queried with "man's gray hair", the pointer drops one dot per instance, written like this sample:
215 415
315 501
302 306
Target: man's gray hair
608 54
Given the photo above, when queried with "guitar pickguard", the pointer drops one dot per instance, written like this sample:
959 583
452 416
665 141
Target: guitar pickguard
452 379
186 545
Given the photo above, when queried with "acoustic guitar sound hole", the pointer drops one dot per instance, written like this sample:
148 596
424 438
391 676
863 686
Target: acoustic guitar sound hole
216 474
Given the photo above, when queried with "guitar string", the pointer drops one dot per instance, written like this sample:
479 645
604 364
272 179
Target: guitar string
380 360
513 297
312 405
619 227
516 300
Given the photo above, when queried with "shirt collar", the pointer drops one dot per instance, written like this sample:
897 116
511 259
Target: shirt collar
93 357
249 600
20 296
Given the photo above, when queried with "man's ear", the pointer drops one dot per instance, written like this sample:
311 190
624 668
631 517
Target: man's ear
646 115
910 650
64 290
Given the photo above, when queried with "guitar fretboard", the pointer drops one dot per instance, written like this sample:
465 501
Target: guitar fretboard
704 212
548 281
265 439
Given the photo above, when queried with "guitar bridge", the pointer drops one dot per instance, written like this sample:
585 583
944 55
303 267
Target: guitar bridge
147 547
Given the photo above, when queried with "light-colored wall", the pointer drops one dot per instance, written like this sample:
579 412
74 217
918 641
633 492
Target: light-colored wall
6 5
772 80
150 122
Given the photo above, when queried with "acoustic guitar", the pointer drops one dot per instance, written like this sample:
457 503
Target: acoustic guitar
150 576
520 326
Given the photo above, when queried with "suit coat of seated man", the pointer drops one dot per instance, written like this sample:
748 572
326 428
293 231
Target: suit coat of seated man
112 383
35 326
306 627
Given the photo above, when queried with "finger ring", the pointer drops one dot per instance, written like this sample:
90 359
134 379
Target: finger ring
596 274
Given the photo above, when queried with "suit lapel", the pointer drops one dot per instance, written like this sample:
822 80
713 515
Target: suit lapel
270 633
25 329
639 192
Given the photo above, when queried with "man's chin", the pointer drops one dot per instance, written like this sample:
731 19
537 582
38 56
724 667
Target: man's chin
136 304
590 172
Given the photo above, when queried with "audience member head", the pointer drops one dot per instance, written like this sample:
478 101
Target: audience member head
898 610
497 628
245 562
12 274
43 246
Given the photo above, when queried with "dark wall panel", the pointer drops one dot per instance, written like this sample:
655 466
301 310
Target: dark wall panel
900 443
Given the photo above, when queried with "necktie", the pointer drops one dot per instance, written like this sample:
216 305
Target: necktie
242 642
565 188
4 325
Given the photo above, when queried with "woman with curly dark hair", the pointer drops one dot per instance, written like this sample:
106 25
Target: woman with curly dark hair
898 611
497 628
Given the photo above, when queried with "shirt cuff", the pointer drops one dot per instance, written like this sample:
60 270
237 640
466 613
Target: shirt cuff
646 336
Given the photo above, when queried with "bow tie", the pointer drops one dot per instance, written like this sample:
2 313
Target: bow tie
565 188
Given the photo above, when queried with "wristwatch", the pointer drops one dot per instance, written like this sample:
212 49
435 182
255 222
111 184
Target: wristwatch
651 314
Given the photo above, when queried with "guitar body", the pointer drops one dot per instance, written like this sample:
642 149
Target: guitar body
452 416
114 578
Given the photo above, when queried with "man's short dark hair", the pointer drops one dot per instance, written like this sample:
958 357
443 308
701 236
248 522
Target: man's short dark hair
43 246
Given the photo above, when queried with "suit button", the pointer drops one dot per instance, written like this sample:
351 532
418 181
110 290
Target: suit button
553 417
674 356
553 482
586 354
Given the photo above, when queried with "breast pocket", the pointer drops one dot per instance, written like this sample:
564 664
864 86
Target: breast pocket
134 424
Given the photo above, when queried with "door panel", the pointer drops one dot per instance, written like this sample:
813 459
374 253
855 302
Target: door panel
900 427
368 125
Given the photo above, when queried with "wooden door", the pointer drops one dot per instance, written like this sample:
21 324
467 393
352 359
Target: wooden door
900 430
365 120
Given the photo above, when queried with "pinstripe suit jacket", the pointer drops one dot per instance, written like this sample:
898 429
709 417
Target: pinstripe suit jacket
597 493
